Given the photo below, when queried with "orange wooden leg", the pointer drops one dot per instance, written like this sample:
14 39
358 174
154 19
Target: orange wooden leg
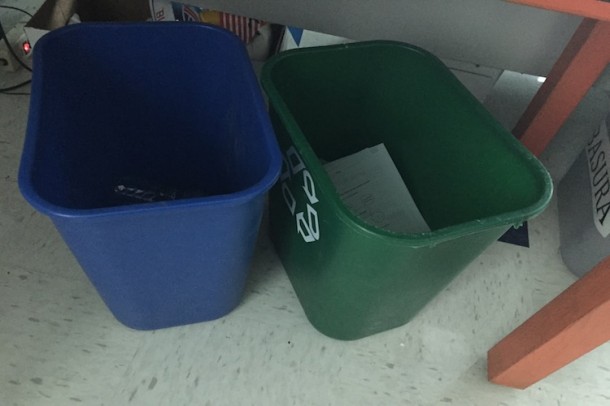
597 9
574 323
578 67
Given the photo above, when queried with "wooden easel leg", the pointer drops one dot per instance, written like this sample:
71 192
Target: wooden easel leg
581 63
574 323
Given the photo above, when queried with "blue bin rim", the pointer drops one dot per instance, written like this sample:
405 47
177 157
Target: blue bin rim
509 219
227 200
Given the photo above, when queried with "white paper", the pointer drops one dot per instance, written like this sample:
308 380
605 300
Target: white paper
371 187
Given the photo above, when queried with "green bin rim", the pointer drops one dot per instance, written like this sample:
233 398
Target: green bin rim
512 218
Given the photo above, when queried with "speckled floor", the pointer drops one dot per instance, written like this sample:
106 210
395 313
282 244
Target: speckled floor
59 345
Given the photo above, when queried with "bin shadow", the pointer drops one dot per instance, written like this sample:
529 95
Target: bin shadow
266 270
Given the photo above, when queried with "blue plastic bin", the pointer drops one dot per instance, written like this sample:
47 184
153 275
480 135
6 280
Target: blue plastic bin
172 105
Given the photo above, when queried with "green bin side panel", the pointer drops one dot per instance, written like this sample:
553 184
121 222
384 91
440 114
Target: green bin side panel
469 177
352 285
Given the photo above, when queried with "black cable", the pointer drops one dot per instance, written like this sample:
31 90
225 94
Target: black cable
17 9
10 48
15 87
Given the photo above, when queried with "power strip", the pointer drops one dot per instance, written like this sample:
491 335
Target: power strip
16 37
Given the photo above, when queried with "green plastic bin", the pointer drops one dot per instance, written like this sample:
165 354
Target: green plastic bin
471 179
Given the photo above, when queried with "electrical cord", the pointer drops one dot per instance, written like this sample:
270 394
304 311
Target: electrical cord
18 9
15 87
10 48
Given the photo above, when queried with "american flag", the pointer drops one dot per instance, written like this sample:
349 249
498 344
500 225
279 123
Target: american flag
244 27
188 14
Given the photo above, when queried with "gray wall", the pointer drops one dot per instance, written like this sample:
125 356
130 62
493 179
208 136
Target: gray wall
489 32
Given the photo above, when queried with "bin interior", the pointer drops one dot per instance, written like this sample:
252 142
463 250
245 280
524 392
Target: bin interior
456 160
168 105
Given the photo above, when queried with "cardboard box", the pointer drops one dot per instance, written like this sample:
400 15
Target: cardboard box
54 14
258 35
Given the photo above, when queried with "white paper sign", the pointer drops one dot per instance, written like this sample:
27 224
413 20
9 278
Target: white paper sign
371 187
598 155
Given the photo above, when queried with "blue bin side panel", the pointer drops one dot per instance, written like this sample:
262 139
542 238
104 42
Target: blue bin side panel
157 270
